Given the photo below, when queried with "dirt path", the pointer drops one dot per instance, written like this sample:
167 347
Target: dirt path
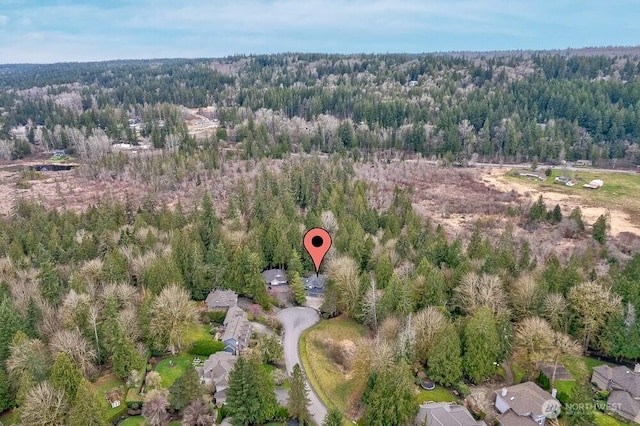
620 221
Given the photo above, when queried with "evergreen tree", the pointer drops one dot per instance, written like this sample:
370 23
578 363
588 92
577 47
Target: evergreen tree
444 358
388 398
6 393
600 228
578 412
65 376
34 318
333 418
481 345
50 284
185 389
295 264
298 404
538 211
11 324
250 396
125 358
87 407
299 292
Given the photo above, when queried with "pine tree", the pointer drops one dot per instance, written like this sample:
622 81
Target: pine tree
6 394
87 407
600 229
298 396
295 264
11 324
333 418
50 285
65 376
445 361
481 345
250 396
299 293
388 398
185 389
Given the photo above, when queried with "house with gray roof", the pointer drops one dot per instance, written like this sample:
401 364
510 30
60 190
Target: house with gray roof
445 414
315 284
219 300
275 277
623 384
525 404
237 331
215 370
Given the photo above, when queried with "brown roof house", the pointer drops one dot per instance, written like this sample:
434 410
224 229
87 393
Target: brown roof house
215 370
525 404
624 385
237 331
445 414
113 396
219 300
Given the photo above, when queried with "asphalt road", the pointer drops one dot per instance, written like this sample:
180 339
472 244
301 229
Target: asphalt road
295 321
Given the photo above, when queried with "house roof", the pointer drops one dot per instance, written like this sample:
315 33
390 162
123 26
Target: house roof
509 418
222 298
217 368
622 377
622 401
526 398
238 329
445 414
234 312
315 281
278 276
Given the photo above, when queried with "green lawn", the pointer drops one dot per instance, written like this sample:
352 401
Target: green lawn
133 421
328 381
565 386
196 332
619 190
105 384
169 374
605 420
439 394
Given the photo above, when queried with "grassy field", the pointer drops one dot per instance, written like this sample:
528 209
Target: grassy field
105 384
196 332
169 374
329 382
133 421
620 190
439 394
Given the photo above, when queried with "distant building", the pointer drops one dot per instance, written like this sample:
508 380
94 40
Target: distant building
536 175
275 277
113 396
445 414
59 153
218 300
583 163
525 404
624 385
315 284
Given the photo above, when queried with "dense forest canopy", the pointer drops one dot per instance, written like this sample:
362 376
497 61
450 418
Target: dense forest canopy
512 108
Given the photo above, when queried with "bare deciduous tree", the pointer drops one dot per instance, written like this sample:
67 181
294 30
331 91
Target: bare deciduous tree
524 296
343 273
172 312
481 290
155 407
75 346
554 309
593 303
44 405
426 324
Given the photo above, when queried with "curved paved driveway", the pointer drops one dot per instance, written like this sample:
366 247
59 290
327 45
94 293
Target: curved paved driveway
295 321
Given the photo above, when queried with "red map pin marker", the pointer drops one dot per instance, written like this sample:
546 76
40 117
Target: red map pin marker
317 241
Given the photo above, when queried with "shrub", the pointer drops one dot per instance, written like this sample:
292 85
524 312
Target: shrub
281 414
222 413
462 389
134 399
206 347
544 381
216 317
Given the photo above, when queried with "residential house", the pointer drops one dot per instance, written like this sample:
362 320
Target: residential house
584 163
216 371
113 396
315 284
536 175
525 404
275 277
218 300
445 414
237 331
624 387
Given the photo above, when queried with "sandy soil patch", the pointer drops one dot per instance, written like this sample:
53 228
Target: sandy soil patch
620 221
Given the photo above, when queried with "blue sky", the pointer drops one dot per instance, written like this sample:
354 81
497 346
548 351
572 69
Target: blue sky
73 30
